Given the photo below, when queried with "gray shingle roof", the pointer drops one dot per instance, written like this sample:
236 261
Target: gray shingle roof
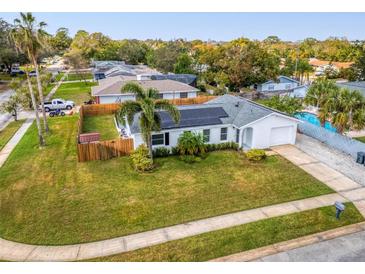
225 109
115 84
357 85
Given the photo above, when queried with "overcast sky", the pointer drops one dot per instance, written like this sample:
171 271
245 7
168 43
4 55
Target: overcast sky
215 26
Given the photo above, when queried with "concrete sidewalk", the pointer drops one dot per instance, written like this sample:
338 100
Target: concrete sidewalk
23 252
8 148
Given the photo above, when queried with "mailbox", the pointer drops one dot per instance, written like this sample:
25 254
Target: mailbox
339 208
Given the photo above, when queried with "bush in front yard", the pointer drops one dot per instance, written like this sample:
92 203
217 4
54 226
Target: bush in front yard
222 146
256 154
141 159
161 152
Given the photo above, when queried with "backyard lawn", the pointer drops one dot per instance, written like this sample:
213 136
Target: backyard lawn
53 199
228 241
9 131
77 76
77 92
104 124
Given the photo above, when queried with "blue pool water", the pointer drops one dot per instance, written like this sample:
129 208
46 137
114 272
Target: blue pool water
313 119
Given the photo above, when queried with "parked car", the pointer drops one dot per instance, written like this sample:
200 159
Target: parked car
32 73
56 112
58 104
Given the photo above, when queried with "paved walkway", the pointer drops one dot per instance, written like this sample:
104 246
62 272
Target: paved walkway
332 245
8 148
22 252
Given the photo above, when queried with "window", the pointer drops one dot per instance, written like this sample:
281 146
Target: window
167 138
271 87
237 135
160 95
206 135
183 95
223 134
157 139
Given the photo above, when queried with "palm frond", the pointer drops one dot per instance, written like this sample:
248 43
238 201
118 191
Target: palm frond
170 108
134 88
128 110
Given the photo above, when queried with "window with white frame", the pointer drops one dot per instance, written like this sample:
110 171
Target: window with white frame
224 131
237 135
158 139
183 95
271 87
160 95
206 135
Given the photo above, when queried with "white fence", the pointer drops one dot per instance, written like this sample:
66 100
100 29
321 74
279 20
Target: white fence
335 140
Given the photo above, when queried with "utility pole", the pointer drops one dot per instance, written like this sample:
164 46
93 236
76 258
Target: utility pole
296 62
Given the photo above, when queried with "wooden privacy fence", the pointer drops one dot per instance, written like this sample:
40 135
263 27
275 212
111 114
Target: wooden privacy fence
104 150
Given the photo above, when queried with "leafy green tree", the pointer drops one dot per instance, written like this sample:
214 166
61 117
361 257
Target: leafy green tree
183 64
12 106
30 39
147 106
61 41
285 104
133 52
165 57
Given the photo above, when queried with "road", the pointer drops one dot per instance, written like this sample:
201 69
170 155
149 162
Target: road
349 248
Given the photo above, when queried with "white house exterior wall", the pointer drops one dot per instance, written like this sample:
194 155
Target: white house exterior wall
215 133
109 99
277 86
262 130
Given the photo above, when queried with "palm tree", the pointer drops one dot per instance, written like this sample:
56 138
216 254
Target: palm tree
33 36
348 110
319 95
20 43
147 105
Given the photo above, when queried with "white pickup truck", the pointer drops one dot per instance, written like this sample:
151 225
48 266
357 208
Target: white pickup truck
58 104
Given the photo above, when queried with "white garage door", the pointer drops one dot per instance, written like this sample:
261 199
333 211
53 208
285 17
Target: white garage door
281 135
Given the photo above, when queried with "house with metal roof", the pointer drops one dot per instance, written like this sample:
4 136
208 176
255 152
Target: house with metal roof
109 89
281 84
223 119
356 85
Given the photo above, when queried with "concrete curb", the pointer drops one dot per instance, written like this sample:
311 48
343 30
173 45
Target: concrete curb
255 254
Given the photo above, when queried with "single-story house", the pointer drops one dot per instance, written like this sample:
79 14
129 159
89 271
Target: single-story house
283 83
224 119
355 85
299 91
320 66
109 89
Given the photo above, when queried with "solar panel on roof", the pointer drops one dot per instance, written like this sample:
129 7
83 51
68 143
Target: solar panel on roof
194 117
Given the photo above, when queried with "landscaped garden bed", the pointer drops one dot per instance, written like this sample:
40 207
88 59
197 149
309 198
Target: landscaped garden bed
53 199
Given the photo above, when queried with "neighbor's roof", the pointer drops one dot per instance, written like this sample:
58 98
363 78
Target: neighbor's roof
226 109
113 86
318 63
357 85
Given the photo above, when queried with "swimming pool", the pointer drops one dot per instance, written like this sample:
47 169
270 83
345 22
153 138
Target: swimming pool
313 119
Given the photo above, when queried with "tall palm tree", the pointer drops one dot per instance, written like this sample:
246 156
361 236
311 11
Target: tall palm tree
348 110
319 95
21 44
147 105
33 43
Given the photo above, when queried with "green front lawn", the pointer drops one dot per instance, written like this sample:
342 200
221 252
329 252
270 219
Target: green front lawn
77 92
361 139
53 199
79 77
9 131
241 238
104 124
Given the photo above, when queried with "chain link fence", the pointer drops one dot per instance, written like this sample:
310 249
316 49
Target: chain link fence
332 139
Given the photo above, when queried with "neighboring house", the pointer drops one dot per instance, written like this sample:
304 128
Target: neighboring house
356 85
299 91
282 84
224 119
109 89
320 66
